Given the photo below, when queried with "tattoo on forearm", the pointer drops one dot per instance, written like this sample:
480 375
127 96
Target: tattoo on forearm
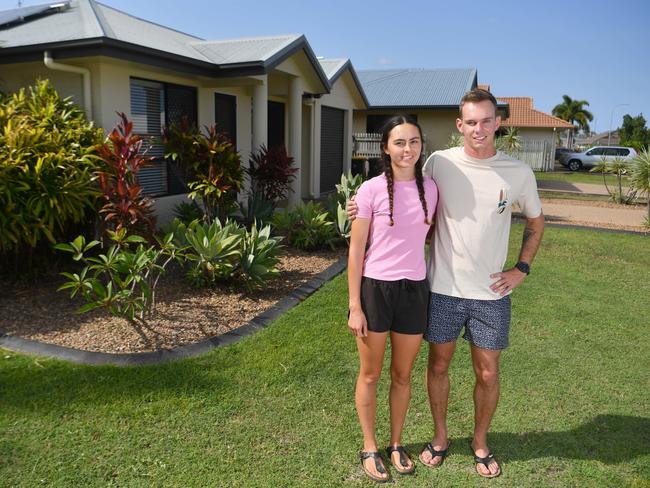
528 233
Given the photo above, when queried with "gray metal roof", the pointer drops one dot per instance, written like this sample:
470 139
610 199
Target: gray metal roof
88 24
417 87
238 51
334 68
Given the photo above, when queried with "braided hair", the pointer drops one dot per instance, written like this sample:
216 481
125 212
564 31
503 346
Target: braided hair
388 168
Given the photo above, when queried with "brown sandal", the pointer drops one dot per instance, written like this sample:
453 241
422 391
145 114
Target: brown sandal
363 455
403 459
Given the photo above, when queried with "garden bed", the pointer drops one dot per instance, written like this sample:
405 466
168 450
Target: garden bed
184 315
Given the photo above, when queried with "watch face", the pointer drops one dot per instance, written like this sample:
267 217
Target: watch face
523 267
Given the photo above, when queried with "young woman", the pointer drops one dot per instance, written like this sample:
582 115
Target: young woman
387 284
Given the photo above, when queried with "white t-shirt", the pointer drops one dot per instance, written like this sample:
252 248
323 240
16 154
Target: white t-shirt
472 225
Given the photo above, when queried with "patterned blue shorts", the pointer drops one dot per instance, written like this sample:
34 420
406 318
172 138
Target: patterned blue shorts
486 322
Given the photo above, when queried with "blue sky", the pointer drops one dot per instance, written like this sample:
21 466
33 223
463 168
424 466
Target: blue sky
590 50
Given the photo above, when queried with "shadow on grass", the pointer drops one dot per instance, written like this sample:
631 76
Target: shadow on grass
610 439
45 385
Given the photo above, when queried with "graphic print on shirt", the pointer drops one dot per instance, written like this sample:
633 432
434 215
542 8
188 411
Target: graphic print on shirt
503 201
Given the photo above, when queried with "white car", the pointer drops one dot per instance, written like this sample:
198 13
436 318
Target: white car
592 156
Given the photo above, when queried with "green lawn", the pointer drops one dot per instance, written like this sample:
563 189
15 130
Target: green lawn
277 410
582 176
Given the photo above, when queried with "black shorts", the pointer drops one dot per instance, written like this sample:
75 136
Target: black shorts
399 306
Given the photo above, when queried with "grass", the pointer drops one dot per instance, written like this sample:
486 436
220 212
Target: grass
276 410
582 176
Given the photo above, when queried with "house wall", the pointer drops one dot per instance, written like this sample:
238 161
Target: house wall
536 134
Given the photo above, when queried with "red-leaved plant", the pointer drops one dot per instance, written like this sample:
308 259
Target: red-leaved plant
125 206
271 173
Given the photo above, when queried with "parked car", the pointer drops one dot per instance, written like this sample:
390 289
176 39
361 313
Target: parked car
559 151
594 155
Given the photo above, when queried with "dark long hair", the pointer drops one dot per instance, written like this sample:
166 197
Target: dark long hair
388 169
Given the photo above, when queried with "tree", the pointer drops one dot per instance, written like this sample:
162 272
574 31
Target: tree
634 132
574 111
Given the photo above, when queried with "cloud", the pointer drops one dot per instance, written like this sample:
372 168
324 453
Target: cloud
385 61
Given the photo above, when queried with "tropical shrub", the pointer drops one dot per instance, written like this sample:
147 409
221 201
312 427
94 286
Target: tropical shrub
509 142
270 172
259 256
306 226
227 252
640 177
47 169
455 140
337 205
125 206
212 163
187 212
620 168
124 279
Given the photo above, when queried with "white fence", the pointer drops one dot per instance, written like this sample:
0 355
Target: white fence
539 155
368 145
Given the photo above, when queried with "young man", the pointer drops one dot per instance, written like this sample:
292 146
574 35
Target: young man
469 288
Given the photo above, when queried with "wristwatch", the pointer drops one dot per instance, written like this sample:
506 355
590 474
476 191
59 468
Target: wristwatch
523 267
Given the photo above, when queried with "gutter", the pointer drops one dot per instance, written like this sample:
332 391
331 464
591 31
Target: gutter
84 72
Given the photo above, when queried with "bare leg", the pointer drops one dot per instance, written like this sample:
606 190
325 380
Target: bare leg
440 356
371 357
486 397
405 348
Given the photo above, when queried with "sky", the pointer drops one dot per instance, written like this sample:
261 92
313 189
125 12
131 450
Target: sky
590 50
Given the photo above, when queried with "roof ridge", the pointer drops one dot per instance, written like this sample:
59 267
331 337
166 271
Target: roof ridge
255 38
147 21
100 19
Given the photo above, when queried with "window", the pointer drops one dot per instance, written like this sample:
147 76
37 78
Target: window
598 151
156 105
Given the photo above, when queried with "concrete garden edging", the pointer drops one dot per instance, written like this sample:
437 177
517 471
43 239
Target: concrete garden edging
17 344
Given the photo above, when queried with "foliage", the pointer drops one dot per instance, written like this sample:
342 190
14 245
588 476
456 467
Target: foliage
125 206
634 133
270 173
509 142
574 111
455 140
187 212
47 168
213 163
123 280
344 191
306 226
223 252
259 256
640 177
257 209
619 168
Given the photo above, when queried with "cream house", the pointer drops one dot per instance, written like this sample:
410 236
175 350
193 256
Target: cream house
261 90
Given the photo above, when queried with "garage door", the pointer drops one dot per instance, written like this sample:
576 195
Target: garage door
331 148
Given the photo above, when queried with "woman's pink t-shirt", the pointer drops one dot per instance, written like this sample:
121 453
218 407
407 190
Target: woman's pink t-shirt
395 252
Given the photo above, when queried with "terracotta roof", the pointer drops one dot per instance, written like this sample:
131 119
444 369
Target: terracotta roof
483 87
522 114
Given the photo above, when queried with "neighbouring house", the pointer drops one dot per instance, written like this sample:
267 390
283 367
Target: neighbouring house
538 131
606 138
432 96
261 90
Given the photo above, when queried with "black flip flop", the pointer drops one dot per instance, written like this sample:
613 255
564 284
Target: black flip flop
485 461
442 453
